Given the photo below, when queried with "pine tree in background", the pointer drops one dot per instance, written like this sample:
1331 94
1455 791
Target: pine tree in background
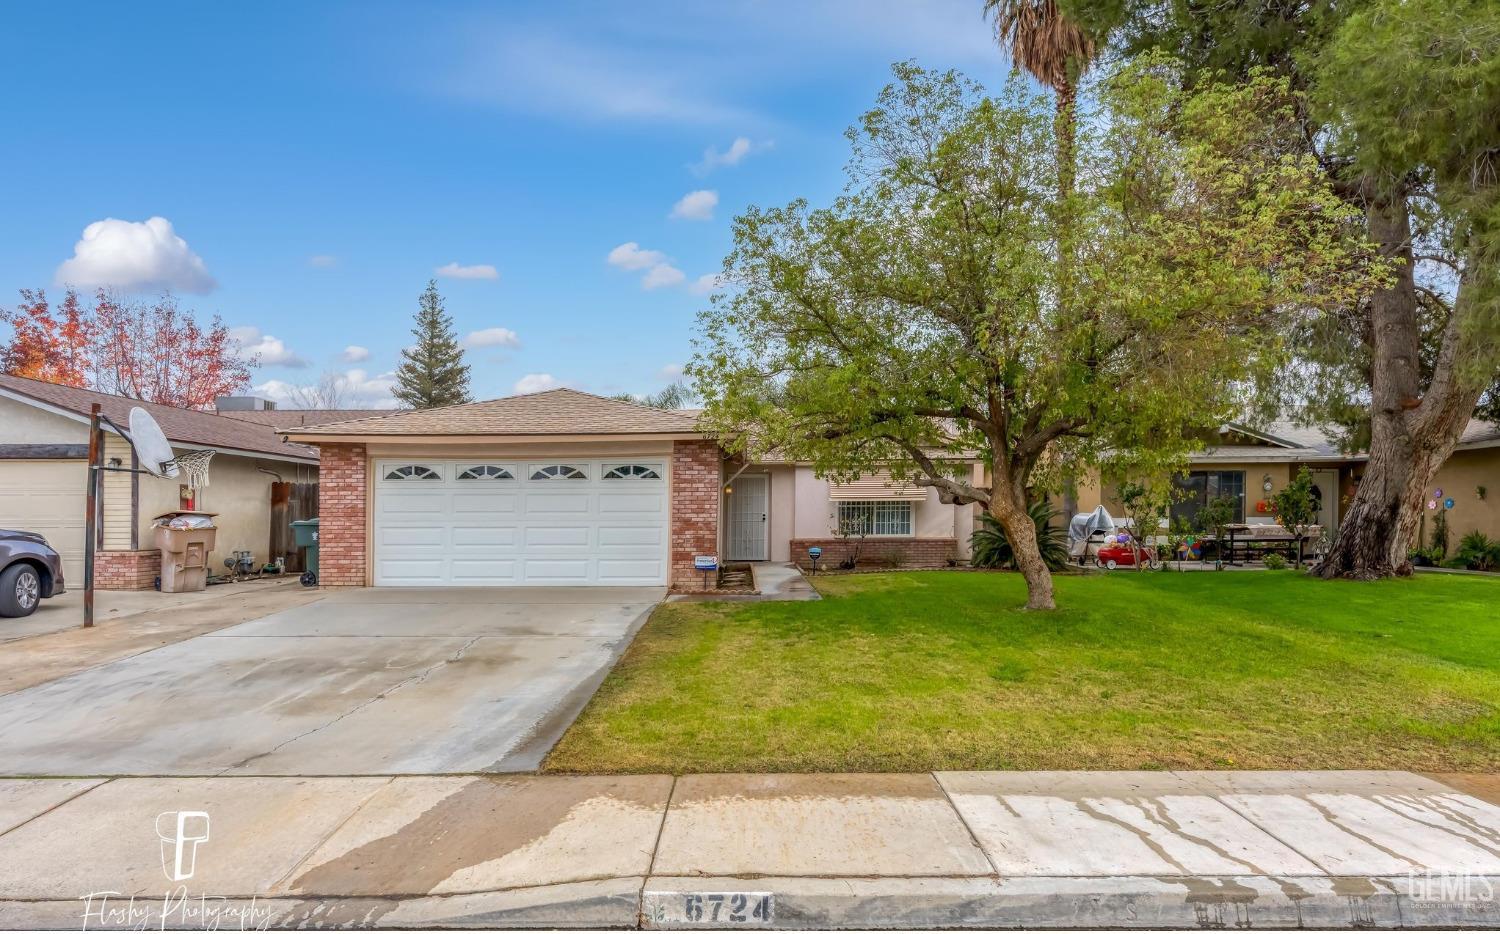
432 371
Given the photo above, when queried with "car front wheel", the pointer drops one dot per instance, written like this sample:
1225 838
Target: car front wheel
20 590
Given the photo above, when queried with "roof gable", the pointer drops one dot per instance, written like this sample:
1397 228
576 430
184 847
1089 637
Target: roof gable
554 412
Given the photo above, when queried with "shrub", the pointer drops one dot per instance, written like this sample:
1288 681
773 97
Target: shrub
991 549
1274 561
1478 552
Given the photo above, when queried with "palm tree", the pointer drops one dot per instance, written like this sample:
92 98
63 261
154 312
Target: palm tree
1053 49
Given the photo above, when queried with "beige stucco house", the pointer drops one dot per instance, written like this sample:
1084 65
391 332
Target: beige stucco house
43 449
1253 465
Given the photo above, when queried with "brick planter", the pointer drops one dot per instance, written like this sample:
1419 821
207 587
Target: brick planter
342 487
126 570
695 509
879 552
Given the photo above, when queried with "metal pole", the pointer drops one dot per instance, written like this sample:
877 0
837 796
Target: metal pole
91 521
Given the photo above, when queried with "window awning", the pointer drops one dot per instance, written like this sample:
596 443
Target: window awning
877 486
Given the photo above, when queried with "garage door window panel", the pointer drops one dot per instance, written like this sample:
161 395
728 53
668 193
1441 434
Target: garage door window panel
485 472
558 472
632 471
414 472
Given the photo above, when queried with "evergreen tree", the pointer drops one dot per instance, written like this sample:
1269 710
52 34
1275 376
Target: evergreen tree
432 371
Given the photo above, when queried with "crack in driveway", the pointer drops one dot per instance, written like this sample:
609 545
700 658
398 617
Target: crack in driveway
417 678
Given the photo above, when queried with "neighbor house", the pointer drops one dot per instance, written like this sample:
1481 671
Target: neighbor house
43 451
564 487
1253 465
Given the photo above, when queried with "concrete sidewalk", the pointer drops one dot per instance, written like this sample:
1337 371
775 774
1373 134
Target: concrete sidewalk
1047 850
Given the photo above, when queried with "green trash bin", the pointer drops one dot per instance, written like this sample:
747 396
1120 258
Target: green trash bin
305 533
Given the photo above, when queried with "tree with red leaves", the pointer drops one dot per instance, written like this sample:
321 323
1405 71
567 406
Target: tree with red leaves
156 352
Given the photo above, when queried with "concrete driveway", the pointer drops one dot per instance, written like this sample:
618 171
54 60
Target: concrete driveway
364 682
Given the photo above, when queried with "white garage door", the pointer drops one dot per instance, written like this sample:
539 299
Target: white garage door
486 523
47 497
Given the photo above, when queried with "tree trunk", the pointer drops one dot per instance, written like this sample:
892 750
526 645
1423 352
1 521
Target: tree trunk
1008 506
1410 436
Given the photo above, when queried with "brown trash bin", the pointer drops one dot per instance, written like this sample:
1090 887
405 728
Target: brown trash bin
184 553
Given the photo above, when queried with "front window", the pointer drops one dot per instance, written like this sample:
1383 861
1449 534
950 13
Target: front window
876 517
1200 487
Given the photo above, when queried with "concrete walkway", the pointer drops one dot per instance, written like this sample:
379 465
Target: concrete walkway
946 850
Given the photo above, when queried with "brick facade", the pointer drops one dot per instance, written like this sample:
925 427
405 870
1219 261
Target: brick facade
342 488
696 479
125 570
880 552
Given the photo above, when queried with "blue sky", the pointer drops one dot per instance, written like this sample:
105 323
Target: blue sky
323 160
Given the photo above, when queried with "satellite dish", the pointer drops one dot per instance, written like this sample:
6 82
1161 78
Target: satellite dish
151 445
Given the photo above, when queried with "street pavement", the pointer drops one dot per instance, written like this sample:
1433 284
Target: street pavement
943 850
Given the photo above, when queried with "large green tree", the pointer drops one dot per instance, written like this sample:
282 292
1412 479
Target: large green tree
432 371
918 319
1403 114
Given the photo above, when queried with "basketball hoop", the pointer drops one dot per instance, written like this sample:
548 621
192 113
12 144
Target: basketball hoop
194 464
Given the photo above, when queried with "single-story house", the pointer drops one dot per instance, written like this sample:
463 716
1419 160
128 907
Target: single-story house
1253 465
43 471
564 487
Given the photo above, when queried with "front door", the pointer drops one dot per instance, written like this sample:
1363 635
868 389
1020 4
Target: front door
748 506
1326 492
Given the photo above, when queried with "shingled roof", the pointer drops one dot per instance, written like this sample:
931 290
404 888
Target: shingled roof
554 412
181 426
296 418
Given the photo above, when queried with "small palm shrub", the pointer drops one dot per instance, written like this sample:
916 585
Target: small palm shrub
991 549
1478 552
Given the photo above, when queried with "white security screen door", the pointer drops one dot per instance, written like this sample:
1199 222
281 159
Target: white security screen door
748 506
488 522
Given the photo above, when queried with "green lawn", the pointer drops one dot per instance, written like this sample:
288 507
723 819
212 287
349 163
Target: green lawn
938 670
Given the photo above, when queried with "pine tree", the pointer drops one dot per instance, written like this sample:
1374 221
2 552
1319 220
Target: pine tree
432 372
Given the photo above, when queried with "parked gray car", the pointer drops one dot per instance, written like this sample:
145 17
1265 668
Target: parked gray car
29 571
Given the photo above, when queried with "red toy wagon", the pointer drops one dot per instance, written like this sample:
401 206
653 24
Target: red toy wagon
1124 554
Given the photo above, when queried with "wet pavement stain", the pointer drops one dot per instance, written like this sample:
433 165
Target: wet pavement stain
484 820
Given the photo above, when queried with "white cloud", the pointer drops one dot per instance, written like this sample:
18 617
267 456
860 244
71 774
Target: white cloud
659 272
537 382
267 349
480 271
706 283
559 76
671 372
135 256
356 389
322 261
730 156
355 354
662 275
631 256
696 205
493 337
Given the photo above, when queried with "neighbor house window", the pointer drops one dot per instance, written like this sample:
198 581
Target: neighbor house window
485 472
876 517
1199 487
632 472
412 472
558 472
